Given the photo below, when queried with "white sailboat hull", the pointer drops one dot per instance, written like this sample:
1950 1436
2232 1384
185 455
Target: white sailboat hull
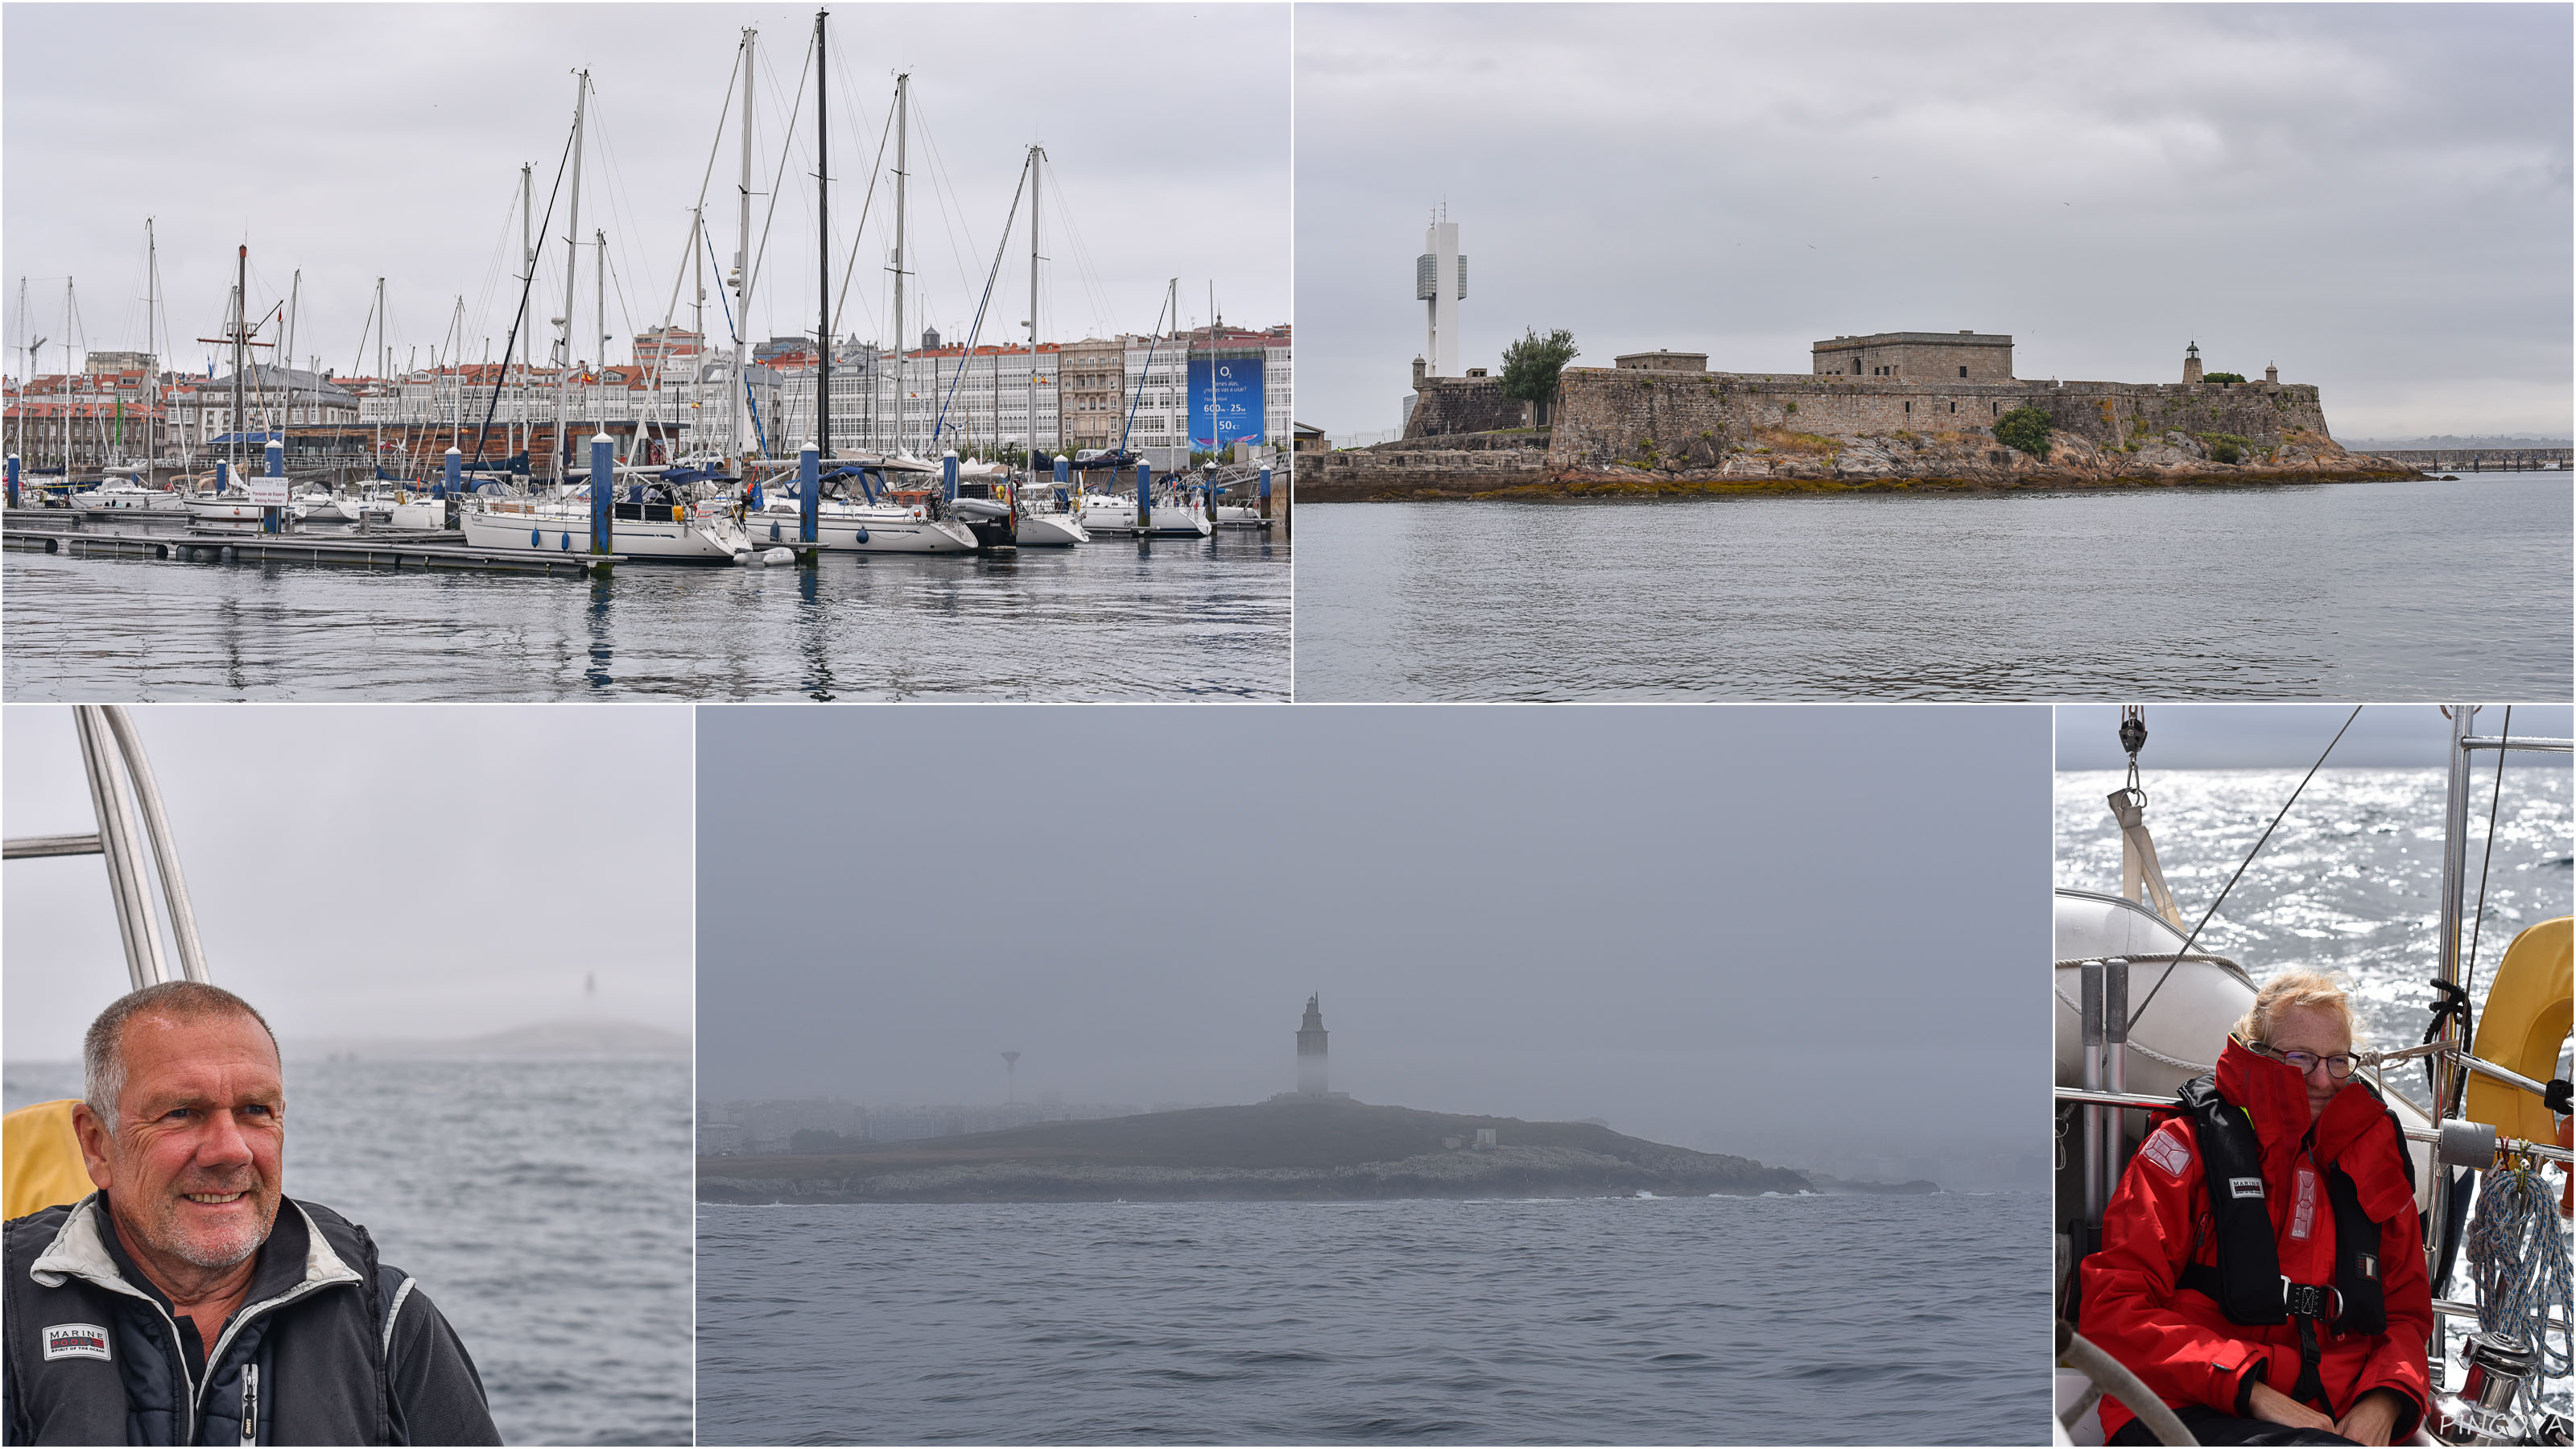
866 530
1167 520
222 510
558 528
1051 530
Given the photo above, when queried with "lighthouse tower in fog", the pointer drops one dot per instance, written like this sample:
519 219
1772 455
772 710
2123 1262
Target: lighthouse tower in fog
1310 1050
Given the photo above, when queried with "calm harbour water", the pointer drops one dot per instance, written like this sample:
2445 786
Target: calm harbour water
544 1207
1168 620
2351 882
1622 1321
2341 591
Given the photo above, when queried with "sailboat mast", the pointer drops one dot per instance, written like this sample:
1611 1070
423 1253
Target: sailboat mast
241 329
734 451
698 368
151 289
572 257
527 284
294 304
1029 448
599 372
902 355
823 258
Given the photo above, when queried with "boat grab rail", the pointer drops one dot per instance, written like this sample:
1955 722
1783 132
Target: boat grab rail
2535 743
2457 1138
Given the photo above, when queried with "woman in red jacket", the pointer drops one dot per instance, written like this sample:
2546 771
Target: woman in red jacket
2261 1268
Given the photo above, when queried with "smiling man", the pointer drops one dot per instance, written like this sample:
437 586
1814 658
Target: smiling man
188 1300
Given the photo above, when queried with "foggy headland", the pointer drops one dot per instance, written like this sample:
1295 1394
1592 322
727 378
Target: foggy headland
1286 1150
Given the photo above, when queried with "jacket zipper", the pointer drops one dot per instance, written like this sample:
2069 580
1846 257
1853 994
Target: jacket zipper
250 1403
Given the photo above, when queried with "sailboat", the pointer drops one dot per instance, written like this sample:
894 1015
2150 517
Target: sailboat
860 509
1043 521
654 520
2489 1107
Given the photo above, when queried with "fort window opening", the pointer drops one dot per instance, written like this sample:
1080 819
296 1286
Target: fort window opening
1909 407
1963 372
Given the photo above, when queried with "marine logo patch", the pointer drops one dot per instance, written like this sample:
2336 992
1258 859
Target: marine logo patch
2167 1150
2245 1187
76 1340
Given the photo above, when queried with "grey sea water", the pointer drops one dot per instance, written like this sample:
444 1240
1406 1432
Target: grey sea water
2338 591
544 1207
2352 880
1166 620
1807 1320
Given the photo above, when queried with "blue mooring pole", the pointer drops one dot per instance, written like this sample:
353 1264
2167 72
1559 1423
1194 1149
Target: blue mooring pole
1144 498
455 473
948 473
273 520
603 494
809 494
1265 490
1063 474
13 478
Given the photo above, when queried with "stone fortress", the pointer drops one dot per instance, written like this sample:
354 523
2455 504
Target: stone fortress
1886 408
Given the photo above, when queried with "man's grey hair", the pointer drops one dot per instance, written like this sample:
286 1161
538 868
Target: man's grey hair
103 1049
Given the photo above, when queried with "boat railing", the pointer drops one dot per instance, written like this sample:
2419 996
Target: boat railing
112 753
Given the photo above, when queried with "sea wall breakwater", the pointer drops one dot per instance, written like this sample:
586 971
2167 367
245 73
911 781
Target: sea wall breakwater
1278 1151
1636 431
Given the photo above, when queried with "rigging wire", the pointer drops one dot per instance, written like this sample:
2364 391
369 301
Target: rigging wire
976 329
750 286
2185 948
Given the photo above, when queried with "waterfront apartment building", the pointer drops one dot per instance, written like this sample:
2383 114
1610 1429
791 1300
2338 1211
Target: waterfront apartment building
1094 390
90 419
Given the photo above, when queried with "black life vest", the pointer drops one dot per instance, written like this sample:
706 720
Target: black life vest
87 1364
2246 1283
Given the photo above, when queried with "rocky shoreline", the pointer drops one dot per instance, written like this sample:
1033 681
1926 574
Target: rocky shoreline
1775 461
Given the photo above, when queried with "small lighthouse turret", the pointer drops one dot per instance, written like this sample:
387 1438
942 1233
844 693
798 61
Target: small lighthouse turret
2191 363
1310 1050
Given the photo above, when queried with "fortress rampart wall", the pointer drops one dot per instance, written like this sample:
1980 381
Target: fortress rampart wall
1608 415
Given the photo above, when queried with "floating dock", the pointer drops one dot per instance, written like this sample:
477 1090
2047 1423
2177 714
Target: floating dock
394 552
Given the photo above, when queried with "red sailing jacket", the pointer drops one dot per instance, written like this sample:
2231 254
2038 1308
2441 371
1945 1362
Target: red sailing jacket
2175 1338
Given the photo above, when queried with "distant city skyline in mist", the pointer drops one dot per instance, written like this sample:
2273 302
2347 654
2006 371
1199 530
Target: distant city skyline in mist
1677 921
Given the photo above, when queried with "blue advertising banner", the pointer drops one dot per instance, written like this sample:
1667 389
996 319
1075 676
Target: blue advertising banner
1226 399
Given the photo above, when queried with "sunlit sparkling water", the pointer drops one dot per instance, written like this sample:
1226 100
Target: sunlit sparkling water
1808 1320
2352 880
2336 591
544 1207
1171 619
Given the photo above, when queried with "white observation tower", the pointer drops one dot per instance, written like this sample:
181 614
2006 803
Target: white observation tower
1440 280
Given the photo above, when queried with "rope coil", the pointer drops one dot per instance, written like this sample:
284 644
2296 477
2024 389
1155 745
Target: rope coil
2518 1259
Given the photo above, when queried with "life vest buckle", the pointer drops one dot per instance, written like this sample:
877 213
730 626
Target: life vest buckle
2311 1300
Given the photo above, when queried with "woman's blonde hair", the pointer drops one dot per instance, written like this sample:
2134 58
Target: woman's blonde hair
2313 990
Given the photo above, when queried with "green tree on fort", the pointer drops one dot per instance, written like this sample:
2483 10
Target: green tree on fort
2222 377
1530 366
2026 429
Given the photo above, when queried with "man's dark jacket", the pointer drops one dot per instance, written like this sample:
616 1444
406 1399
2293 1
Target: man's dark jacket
329 1346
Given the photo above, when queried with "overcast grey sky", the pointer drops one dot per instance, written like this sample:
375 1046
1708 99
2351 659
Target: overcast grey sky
1674 918
358 141
2285 736
372 870
2374 197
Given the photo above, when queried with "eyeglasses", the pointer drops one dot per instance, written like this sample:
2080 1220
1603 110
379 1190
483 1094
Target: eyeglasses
2338 1066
